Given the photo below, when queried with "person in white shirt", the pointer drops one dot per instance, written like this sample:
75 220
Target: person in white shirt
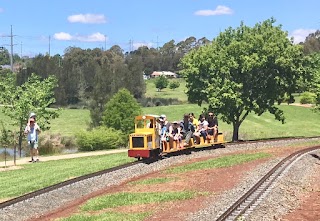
32 131
202 129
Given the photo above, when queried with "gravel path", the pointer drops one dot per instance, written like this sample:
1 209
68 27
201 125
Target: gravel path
50 201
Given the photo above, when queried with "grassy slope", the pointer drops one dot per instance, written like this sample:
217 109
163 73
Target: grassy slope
179 92
300 121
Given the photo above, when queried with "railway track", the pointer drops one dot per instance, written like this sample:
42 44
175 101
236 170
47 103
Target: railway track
63 184
33 195
245 205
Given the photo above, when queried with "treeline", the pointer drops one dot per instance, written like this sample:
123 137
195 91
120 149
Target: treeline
90 77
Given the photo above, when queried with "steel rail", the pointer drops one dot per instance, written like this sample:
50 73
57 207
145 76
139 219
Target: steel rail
77 179
63 184
244 200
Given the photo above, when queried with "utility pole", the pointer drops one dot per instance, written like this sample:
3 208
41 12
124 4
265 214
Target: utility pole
11 47
157 43
49 44
130 45
11 58
21 51
105 42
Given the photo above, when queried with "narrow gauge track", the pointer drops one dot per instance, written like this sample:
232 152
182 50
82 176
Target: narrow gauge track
95 174
250 199
63 184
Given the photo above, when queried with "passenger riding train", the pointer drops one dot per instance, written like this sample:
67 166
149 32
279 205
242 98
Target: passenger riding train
145 142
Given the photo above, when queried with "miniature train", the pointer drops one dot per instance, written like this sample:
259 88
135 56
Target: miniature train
145 142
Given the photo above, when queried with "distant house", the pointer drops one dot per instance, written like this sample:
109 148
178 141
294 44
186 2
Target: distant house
146 77
6 66
167 74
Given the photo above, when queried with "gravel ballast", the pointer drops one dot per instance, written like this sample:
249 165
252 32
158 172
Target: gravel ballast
282 198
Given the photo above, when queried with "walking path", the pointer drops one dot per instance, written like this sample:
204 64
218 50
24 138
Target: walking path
25 160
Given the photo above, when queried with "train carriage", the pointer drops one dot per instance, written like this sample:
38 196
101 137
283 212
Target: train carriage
144 143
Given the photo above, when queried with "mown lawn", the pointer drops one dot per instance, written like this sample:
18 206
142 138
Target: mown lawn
178 93
35 176
300 121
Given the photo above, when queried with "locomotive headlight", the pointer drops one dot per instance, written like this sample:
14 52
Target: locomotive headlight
143 117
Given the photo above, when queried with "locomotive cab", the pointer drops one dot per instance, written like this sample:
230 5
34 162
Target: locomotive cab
144 142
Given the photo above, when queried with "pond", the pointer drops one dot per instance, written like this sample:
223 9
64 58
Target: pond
10 152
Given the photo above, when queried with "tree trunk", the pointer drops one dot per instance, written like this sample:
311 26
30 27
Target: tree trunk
235 136
20 139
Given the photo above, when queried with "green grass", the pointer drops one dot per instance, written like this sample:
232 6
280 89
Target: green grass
128 199
300 121
39 175
68 123
71 121
154 181
226 161
179 93
112 216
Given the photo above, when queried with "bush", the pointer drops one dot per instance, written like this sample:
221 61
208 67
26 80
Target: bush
152 102
68 142
308 98
100 138
50 144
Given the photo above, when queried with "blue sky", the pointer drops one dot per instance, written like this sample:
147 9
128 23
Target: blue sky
38 25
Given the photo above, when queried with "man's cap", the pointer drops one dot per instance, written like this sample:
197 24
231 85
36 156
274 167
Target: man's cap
32 115
163 116
175 122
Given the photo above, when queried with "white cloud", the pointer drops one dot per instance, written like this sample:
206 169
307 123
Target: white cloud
62 36
87 18
299 35
220 10
137 45
95 37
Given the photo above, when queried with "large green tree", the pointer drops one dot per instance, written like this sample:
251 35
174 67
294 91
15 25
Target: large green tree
161 82
120 112
245 69
35 95
4 56
314 84
312 43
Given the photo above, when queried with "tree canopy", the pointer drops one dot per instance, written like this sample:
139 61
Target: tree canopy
121 111
161 82
35 95
245 69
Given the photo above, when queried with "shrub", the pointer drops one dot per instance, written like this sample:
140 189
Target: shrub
50 144
68 142
308 98
100 138
151 102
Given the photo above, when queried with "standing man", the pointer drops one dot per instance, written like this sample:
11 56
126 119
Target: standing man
32 131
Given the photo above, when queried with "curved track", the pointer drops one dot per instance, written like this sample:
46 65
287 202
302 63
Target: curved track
250 199
99 173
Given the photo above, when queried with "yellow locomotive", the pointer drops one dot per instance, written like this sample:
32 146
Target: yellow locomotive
145 141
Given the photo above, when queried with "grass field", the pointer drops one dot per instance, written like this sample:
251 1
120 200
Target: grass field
179 93
300 121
